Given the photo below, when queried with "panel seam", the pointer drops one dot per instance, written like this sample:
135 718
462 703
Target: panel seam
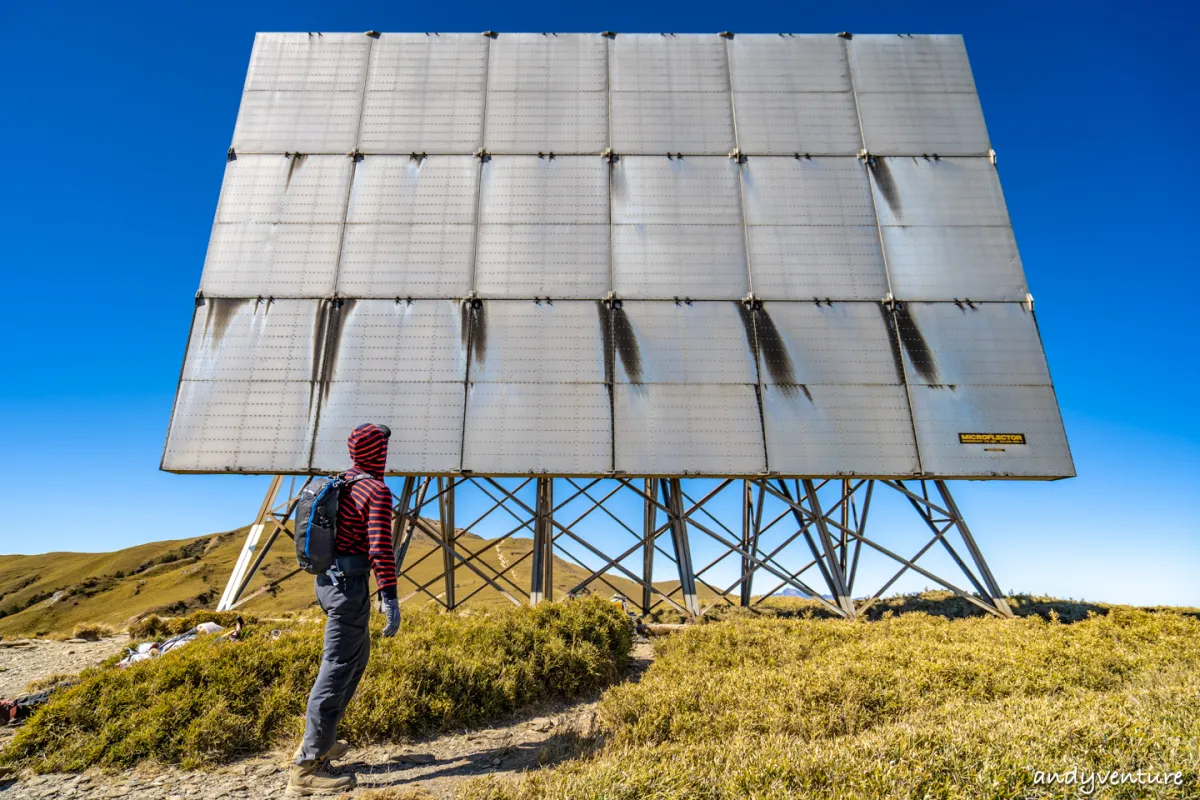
847 45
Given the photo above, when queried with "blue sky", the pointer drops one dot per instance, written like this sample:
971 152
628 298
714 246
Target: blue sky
115 124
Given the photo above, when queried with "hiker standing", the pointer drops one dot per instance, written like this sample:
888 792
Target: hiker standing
363 543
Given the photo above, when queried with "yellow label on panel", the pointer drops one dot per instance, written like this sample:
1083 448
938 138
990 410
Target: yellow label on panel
991 438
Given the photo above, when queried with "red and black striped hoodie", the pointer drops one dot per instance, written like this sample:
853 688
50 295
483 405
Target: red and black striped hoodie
364 525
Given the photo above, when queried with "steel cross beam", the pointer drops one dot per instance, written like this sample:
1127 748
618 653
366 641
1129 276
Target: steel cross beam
831 517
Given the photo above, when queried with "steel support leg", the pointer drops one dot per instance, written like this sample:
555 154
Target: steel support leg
673 497
985 572
649 536
838 578
446 510
542 578
750 529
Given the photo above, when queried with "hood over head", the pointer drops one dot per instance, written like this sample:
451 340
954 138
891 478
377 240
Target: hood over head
368 445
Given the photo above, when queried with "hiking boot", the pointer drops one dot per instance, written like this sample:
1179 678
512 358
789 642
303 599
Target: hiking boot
310 779
338 750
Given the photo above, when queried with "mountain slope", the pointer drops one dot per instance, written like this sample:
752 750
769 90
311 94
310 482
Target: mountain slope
54 592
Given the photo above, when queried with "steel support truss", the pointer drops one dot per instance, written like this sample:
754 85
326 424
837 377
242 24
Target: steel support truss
803 534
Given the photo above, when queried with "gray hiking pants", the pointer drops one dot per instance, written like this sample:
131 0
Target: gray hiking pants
347 606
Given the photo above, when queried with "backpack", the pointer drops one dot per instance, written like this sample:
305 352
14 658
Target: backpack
316 521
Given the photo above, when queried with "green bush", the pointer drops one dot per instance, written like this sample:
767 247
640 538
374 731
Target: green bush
214 700
910 706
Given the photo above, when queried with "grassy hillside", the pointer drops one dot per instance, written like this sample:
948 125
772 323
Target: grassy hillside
53 592
215 700
908 706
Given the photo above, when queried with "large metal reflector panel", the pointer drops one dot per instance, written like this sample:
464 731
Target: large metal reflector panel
548 93
410 227
424 94
811 227
398 362
536 399
649 254
792 94
833 395
247 399
684 390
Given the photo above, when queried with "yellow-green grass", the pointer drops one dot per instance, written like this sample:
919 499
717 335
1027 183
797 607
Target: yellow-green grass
215 700
913 706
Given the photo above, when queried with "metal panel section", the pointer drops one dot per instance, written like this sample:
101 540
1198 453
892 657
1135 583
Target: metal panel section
947 191
417 62
673 429
802 262
700 262
689 191
908 63
650 62
254 340
422 121
953 344
418 260
308 61
821 344
425 418
253 259
838 430
549 122
695 123
276 188
531 190
701 342
768 62
935 263
941 414
390 341
807 191
551 428
785 123
304 122
543 260
548 62
241 426
547 93
914 123
425 94
404 189
543 342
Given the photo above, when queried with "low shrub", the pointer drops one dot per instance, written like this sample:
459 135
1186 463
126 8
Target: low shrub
94 631
213 699
910 706
154 627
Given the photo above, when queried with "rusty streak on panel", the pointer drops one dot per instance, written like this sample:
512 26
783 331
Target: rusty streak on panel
915 345
294 163
341 310
886 184
473 329
220 311
765 339
606 340
627 344
889 322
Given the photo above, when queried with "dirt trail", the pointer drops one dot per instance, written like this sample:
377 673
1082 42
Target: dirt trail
537 737
25 660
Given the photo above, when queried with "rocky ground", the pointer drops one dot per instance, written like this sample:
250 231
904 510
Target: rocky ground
434 766
25 660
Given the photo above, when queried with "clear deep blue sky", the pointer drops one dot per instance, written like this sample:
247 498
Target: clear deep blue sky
114 126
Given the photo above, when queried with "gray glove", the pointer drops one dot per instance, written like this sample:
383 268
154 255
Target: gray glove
391 612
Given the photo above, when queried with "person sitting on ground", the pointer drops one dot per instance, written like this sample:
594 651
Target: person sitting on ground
364 542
